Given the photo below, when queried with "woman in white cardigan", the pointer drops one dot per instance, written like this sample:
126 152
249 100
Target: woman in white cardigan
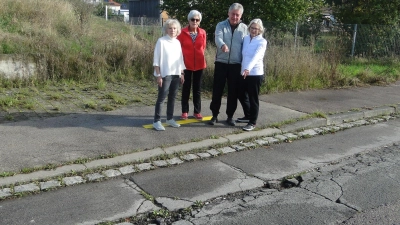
254 47
168 70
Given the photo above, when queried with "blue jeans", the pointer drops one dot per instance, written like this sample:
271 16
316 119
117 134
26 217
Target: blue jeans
170 86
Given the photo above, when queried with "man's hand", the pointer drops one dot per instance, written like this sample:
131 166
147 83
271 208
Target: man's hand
225 48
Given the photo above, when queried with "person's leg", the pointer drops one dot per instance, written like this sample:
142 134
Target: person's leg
162 93
218 87
243 97
253 88
232 79
197 77
186 91
173 89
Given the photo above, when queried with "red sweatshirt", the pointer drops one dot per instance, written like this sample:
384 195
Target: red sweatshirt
193 52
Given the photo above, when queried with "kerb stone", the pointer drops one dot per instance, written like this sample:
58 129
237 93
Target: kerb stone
26 188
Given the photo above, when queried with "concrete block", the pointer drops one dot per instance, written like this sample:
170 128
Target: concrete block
253 134
204 155
386 110
160 163
344 117
238 147
94 176
50 184
127 169
145 166
190 157
73 180
26 188
304 124
5 192
226 150
174 161
128 158
213 152
111 173
195 145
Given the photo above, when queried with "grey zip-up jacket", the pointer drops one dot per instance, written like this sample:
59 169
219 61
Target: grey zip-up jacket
223 35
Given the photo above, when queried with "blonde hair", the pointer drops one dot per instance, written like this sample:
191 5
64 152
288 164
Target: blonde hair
168 23
259 23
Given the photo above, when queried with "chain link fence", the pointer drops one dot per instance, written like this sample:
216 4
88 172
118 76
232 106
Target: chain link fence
355 40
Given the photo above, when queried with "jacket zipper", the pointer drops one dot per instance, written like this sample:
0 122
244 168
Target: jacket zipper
194 50
229 55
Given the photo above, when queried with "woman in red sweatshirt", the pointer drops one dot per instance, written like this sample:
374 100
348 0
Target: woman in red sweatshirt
193 42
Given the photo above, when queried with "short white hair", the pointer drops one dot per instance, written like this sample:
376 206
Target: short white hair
170 22
194 13
259 23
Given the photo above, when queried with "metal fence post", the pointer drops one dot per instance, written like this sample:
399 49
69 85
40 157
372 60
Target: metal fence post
295 35
354 40
106 12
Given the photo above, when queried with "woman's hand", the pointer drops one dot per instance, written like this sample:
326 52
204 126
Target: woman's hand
159 81
182 79
245 73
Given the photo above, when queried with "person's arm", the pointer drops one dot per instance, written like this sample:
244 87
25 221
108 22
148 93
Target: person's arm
219 38
156 63
205 41
158 75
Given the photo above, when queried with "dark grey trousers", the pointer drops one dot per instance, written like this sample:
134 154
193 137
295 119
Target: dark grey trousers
169 87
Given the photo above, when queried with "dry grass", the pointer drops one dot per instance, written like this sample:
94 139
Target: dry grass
71 43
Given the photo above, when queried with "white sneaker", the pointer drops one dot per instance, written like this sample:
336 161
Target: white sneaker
172 123
158 126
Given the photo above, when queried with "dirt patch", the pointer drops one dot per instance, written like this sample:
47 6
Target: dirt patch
18 104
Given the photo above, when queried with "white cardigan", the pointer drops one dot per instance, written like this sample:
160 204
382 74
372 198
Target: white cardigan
168 56
253 55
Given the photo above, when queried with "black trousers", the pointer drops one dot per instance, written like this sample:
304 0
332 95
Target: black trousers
196 75
248 92
230 74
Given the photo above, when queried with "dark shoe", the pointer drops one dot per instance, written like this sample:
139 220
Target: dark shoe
249 127
230 122
243 120
213 120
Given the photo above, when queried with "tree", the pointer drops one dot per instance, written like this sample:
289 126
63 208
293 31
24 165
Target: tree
368 12
281 11
377 20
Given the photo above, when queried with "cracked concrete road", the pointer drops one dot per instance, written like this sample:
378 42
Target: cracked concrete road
358 190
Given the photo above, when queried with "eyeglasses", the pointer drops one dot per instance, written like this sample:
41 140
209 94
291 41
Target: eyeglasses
195 20
254 28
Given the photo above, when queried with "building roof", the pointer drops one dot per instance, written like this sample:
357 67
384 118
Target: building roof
112 3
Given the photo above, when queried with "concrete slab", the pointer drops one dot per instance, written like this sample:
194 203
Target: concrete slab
85 202
195 181
336 100
380 189
286 207
277 161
